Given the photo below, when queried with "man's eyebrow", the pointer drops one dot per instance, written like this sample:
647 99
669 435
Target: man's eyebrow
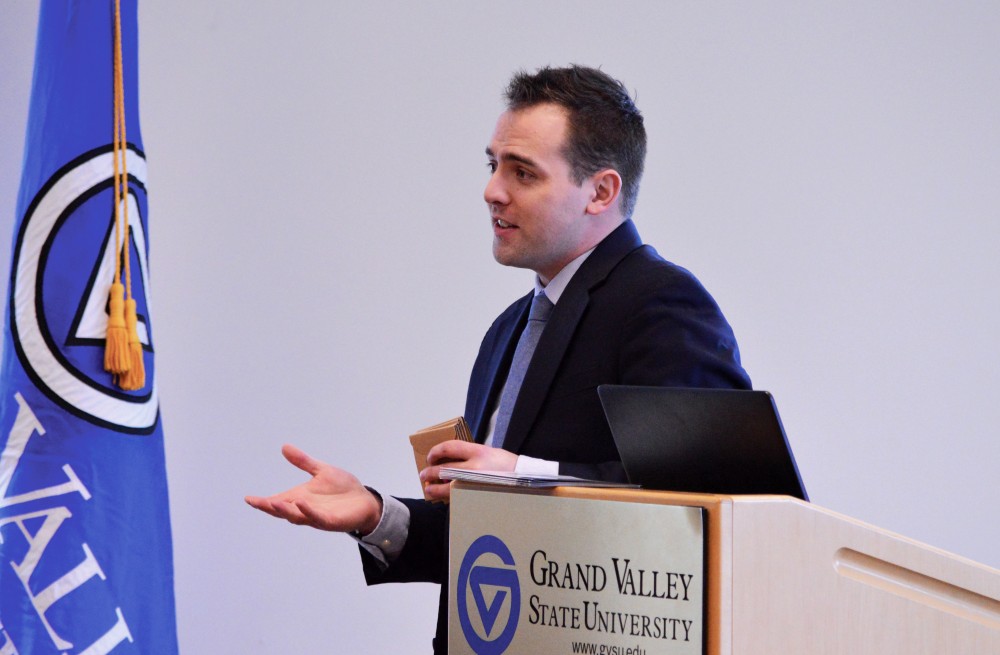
509 156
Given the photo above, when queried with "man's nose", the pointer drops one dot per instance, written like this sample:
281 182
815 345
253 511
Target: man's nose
495 193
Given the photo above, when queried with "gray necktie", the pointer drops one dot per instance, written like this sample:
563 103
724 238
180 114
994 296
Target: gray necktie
541 307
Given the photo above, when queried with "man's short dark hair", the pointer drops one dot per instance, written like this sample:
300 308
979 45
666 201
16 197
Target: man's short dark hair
605 128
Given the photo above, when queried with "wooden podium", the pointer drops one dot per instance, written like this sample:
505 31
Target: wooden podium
781 577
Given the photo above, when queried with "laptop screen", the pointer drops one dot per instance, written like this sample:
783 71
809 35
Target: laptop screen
721 441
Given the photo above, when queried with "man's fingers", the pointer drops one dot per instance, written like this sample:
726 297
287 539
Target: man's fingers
289 511
430 474
452 450
263 504
315 519
310 515
438 492
300 459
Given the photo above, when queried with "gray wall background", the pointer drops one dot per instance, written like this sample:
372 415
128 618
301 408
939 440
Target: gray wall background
322 272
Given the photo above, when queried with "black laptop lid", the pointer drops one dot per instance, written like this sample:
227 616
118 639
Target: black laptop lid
721 441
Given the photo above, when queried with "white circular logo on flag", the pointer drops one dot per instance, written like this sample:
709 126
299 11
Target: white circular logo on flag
75 382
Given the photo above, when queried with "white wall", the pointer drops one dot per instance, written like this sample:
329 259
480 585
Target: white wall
321 266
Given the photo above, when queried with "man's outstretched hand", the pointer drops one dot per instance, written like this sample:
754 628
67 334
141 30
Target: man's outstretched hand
332 499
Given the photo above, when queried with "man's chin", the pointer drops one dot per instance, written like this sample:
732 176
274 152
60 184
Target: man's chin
505 257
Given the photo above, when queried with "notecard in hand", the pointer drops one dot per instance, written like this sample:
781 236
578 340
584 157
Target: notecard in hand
427 438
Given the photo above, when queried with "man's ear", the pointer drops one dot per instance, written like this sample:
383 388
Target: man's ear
607 186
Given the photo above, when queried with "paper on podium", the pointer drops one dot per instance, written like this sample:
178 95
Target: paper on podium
532 480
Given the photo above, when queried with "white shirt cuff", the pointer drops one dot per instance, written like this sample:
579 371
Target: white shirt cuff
532 465
387 539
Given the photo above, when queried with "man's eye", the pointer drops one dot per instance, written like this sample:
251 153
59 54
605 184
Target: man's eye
492 165
523 174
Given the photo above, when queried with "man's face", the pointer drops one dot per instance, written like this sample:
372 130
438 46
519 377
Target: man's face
538 213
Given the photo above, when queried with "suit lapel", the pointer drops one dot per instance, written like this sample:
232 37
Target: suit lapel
559 331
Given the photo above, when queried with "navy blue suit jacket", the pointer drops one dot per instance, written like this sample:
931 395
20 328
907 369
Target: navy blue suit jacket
626 317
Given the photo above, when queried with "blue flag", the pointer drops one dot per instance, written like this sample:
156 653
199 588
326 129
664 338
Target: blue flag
85 550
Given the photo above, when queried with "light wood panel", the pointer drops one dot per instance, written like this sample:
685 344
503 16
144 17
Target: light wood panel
787 577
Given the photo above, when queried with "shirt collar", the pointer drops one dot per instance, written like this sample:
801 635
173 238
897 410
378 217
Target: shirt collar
554 289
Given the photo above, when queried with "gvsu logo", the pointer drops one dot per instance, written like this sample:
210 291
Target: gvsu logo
489 596
63 266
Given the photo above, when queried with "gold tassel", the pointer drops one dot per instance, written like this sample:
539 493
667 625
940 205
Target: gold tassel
135 378
116 356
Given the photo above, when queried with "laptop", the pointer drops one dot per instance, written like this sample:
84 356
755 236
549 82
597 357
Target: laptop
720 441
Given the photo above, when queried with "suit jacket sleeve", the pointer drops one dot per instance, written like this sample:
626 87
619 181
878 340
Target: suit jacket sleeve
424 558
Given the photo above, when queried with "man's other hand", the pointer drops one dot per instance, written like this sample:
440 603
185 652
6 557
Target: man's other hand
462 455
332 499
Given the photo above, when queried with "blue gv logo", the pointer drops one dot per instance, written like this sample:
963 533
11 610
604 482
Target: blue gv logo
493 592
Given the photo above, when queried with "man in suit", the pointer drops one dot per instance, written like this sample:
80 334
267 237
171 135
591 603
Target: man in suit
566 159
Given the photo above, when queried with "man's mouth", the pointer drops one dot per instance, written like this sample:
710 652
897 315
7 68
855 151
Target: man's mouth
499 222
